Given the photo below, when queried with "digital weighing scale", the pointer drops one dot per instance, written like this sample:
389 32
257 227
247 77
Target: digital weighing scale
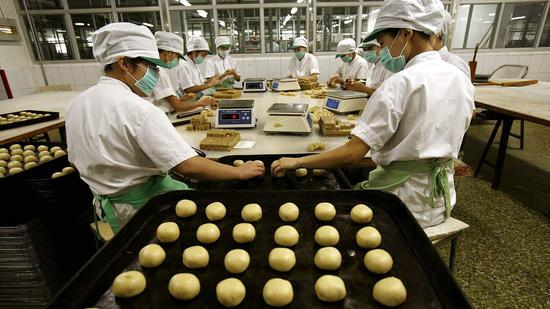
288 118
254 85
285 84
345 101
233 114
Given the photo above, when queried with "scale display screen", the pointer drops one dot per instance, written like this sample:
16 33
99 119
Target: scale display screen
332 103
232 116
275 85
254 85
235 117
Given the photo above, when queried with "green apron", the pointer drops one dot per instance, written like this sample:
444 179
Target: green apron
137 196
387 178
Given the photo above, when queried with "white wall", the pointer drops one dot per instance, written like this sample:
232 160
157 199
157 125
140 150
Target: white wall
23 76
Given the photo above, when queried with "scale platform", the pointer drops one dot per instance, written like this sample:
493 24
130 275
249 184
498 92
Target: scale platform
288 118
285 84
233 114
345 101
254 85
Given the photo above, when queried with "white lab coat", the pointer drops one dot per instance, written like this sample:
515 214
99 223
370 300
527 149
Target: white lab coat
189 74
419 113
455 60
378 75
354 70
163 89
303 68
217 65
117 140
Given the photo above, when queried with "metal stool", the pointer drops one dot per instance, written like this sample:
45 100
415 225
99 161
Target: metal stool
445 233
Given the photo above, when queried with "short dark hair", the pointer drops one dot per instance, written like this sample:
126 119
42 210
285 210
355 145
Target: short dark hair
395 31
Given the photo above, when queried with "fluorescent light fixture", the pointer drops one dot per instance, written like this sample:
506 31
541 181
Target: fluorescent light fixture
347 21
222 23
61 31
148 25
492 14
335 25
79 24
293 10
518 18
299 1
185 3
202 13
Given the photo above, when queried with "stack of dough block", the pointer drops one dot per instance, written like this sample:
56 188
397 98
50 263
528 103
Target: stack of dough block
220 140
317 112
318 93
199 123
308 85
227 94
331 126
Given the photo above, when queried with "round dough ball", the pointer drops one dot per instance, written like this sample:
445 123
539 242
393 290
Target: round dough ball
325 211
195 257
330 288
68 170
215 211
27 153
42 148
2 170
238 163
361 213
287 236
208 233
186 208
15 146
301 172
319 172
55 149
282 259
243 233
57 175
45 159
328 258
230 292
168 232
17 158
29 147
389 292
4 150
17 152
30 159
30 165
59 154
280 174
3 163
14 164
184 286
278 292
378 261
5 156
151 256
236 261
289 212
327 235
368 237
129 284
251 213
44 153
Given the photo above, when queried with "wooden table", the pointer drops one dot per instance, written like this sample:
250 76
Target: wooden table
530 103
54 101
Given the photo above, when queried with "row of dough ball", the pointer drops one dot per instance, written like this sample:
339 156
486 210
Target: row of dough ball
65 171
301 172
20 159
207 233
216 211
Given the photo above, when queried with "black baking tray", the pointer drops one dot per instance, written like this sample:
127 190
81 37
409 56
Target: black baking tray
332 180
52 116
428 281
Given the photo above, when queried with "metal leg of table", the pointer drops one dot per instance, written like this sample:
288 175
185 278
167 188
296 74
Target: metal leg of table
487 148
507 125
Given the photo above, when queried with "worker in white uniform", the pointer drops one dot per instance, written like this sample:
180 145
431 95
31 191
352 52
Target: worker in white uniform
190 77
222 65
303 65
438 42
122 145
414 123
352 67
378 74
170 46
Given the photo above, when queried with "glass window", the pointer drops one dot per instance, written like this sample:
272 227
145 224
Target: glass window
243 26
237 1
519 24
84 25
79 4
333 25
545 39
475 24
282 25
368 19
149 19
194 23
53 39
41 5
189 2
130 3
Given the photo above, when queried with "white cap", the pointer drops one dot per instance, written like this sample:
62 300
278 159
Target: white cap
118 40
299 42
445 26
360 52
169 41
420 15
345 46
197 43
222 41
370 43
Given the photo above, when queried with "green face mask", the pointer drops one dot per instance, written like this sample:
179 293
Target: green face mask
347 59
371 56
148 82
199 59
300 54
172 64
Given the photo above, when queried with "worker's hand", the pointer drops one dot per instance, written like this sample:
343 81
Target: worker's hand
206 101
186 97
251 169
213 81
229 72
355 86
302 79
284 164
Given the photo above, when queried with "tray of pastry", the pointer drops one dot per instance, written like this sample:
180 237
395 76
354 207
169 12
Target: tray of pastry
324 249
301 179
24 118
